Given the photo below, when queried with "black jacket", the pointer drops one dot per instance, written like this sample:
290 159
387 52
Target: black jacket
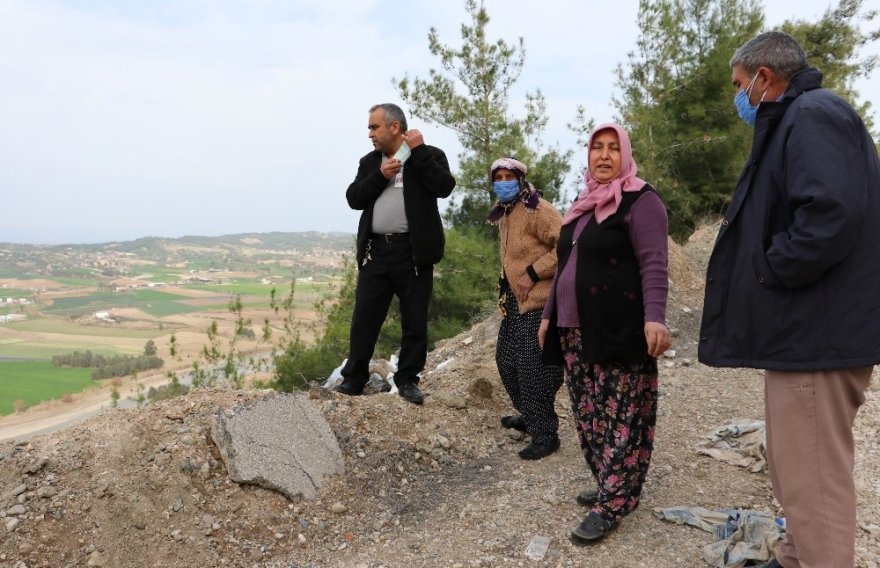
426 178
793 283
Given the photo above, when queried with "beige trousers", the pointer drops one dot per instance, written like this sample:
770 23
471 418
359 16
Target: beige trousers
810 453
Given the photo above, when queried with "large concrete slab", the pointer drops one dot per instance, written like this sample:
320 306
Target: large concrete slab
280 442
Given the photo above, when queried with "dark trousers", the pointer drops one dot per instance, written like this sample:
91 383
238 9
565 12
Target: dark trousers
531 384
389 271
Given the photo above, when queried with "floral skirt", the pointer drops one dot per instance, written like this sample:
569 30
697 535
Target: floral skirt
615 407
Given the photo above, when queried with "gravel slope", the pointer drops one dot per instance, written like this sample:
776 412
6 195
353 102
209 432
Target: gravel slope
439 485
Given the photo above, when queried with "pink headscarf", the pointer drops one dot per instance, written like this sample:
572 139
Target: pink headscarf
605 197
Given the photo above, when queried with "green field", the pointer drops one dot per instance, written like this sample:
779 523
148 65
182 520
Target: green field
303 289
76 282
15 293
38 381
154 302
245 289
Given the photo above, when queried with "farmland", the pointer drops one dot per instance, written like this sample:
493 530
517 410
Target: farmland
111 299
37 381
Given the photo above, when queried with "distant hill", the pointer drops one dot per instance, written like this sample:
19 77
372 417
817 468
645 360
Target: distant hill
305 241
244 251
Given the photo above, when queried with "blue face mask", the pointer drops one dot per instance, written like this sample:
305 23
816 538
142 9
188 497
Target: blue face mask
506 190
744 107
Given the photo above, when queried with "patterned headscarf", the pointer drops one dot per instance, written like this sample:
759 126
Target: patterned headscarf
528 194
605 198
508 163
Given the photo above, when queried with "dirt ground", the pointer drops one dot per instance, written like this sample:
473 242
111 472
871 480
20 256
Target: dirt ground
432 486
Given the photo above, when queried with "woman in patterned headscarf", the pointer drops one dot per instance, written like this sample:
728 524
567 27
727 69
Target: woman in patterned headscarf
528 229
605 319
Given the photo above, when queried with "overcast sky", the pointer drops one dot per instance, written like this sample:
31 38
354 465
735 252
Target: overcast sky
122 119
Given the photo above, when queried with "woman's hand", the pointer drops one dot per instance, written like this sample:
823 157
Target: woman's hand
524 285
657 336
542 332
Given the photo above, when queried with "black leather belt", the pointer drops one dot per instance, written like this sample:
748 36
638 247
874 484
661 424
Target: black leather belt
390 237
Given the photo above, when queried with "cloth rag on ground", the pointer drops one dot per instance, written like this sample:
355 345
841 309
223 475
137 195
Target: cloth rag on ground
743 537
740 442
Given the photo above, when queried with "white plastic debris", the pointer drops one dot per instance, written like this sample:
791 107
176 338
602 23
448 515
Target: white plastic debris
335 377
537 547
444 363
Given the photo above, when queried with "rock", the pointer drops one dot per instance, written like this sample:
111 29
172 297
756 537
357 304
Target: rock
448 399
12 524
280 442
19 490
338 508
16 510
95 559
187 466
176 414
46 492
36 465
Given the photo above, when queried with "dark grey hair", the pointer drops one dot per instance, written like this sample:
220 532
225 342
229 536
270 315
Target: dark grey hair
776 50
393 113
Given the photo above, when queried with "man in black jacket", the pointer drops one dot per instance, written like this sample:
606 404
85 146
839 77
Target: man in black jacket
793 287
400 238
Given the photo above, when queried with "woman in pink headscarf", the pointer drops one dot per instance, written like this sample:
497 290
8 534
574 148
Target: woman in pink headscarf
605 321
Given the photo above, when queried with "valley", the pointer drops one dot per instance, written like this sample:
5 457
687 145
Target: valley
112 298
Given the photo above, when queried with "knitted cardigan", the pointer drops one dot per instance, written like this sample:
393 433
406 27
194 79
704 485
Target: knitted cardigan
528 240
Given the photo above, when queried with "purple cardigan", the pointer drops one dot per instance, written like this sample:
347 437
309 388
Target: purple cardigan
647 231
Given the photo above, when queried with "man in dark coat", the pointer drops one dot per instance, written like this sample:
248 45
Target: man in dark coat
793 287
400 238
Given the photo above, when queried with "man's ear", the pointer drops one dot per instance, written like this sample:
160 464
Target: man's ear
769 76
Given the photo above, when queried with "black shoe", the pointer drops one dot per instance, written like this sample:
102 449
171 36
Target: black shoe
537 451
411 393
587 498
592 529
515 422
350 387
